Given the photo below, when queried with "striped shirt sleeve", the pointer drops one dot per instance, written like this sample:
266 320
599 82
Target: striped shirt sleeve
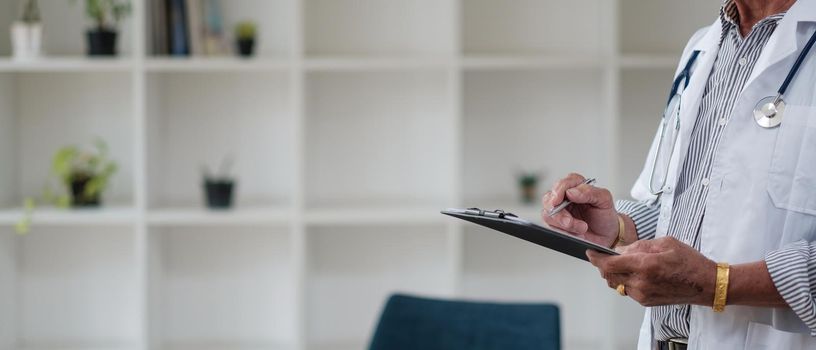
793 271
643 214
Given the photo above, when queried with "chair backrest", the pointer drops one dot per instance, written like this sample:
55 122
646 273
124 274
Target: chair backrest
414 323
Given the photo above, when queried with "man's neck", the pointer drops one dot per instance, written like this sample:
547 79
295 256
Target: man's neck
753 11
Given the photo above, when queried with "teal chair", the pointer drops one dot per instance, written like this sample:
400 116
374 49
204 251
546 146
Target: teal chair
412 323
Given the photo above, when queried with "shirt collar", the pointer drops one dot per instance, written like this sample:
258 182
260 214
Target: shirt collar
729 18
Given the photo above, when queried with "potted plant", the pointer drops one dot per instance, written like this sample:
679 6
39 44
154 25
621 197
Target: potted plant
82 175
218 188
105 16
528 186
26 33
245 33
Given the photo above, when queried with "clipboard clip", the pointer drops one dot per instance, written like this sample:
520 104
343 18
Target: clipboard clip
498 213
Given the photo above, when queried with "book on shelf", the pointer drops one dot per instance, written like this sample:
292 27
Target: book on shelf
187 27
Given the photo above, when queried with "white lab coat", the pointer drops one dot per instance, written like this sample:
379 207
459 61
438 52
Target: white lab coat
762 193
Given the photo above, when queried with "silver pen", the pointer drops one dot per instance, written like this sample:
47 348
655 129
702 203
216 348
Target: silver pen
566 202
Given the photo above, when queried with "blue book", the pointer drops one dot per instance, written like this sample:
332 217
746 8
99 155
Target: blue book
179 38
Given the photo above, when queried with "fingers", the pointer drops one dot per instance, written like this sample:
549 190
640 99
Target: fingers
559 189
565 221
626 263
587 194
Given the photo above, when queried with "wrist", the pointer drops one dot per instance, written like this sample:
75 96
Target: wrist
627 231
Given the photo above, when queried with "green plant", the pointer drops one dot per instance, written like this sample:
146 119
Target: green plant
31 12
106 14
70 164
245 30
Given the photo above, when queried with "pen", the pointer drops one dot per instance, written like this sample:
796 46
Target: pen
566 202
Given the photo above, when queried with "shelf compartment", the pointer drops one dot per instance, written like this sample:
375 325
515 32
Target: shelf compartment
352 270
643 99
275 21
403 27
373 215
74 287
196 119
503 268
64 30
532 26
81 108
378 138
222 287
537 121
643 24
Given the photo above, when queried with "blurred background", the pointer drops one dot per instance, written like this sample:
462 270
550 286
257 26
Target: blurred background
262 174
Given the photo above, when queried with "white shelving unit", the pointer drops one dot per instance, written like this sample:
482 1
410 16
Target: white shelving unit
357 121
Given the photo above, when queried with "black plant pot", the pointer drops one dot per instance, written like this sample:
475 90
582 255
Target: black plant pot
78 197
101 42
246 47
219 193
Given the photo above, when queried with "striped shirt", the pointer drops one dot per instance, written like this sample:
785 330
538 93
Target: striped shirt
732 68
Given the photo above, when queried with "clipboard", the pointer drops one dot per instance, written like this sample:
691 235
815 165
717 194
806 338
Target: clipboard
545 236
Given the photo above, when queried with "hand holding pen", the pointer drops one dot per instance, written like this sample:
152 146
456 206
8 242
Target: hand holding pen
576 206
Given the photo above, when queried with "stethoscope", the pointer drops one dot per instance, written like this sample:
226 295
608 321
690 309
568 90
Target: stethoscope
768 114
770 110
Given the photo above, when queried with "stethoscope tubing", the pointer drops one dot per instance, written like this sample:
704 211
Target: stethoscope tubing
796 65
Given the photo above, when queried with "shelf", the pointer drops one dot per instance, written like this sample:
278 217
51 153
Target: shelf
104 216
225 346
646 61
374 215
241 216
67 64
363 63
216 64
84 346
499 62
340 345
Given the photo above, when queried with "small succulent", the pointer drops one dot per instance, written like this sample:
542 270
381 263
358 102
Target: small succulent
107 14
246 30
31 12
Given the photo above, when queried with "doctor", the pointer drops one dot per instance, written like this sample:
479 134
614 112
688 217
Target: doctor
721 241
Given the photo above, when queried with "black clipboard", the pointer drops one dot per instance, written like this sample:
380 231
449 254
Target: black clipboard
515 226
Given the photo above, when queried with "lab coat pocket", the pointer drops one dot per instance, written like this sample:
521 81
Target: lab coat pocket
792 174
764 337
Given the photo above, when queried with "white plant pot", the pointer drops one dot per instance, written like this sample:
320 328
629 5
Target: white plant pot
26 40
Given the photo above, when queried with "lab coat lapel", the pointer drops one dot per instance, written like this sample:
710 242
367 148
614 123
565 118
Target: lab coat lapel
692 96
787 39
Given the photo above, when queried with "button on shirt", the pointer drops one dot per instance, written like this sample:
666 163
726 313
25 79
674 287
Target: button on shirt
732 68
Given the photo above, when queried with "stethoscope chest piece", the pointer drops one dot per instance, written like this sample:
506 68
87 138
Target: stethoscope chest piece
769 112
